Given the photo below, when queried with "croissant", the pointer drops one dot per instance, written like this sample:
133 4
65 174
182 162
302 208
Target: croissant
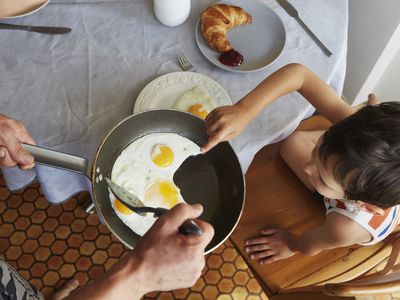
216 20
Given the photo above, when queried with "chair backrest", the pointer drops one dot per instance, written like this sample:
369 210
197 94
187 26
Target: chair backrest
383 278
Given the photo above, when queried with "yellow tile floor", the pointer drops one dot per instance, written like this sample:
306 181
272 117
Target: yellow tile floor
48 244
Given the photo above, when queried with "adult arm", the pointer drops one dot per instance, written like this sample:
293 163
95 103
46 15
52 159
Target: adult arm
12 134
163 260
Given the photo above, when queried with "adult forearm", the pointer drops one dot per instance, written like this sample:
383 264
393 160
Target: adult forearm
120 282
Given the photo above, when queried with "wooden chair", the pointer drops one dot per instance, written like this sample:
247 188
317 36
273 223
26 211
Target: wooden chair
276 198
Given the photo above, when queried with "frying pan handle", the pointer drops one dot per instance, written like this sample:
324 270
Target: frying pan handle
59 160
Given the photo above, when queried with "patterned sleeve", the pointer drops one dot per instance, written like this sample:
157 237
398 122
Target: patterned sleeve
14 287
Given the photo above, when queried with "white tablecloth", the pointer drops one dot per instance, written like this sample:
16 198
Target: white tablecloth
71 89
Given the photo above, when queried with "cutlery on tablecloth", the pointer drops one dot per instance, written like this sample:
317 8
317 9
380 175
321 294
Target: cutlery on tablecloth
39 29
184 62
295 14
134 204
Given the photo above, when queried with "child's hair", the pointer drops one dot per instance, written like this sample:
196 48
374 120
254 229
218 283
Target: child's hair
367 145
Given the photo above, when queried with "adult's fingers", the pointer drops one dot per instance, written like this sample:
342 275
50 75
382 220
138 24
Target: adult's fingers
24 136
205 238
26 167
3 152
6 160
10 140
180 213
19 154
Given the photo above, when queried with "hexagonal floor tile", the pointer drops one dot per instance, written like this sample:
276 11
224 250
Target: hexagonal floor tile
49 244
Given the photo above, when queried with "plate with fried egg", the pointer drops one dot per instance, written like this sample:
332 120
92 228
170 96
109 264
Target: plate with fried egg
191 92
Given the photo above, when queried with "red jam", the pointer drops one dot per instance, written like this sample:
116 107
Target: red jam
231 58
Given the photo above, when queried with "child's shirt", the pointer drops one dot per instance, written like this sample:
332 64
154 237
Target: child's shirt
378 226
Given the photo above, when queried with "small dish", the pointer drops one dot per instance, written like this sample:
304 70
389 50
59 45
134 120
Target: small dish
261 42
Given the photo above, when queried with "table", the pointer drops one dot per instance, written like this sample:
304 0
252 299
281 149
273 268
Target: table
71 89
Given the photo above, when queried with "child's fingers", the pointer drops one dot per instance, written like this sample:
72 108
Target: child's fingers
262 254
210 116
213 129
212 142
257 248
372 100
256 241
268 260
268 231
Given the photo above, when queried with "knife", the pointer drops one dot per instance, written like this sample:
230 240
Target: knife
295 14
134 204
39 29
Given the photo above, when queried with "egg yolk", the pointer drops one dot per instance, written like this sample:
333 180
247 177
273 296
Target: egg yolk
162 156
122 208
198 110
163 193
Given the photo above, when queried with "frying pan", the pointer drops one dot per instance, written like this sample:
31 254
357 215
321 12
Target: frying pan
214 179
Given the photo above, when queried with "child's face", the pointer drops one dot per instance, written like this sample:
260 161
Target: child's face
321 177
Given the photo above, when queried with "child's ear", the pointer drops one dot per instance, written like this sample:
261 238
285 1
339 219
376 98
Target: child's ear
371 208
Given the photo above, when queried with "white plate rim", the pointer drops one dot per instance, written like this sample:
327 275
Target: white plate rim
141 99
232 69
28 13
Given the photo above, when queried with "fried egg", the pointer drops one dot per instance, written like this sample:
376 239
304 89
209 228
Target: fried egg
146 169
196 101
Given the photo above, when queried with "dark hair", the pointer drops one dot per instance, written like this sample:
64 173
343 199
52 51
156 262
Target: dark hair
367 145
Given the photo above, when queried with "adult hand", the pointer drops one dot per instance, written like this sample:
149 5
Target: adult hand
164 259
12 134
172 260
273 245
225 123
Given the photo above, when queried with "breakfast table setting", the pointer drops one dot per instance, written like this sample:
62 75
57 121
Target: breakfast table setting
115 58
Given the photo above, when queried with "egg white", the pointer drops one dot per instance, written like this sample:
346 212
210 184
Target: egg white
135 171
194 96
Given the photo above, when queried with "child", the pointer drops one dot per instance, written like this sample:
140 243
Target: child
355 164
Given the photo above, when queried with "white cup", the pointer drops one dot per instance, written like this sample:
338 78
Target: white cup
171 12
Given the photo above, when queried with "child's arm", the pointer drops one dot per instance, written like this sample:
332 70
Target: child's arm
225 123
337 231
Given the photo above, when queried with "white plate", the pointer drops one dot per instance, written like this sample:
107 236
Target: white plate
25 8
163 91
260 43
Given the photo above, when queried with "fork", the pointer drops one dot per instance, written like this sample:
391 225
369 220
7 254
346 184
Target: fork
184 62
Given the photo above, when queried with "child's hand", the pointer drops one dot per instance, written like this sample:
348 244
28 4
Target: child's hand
272 246
224 123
